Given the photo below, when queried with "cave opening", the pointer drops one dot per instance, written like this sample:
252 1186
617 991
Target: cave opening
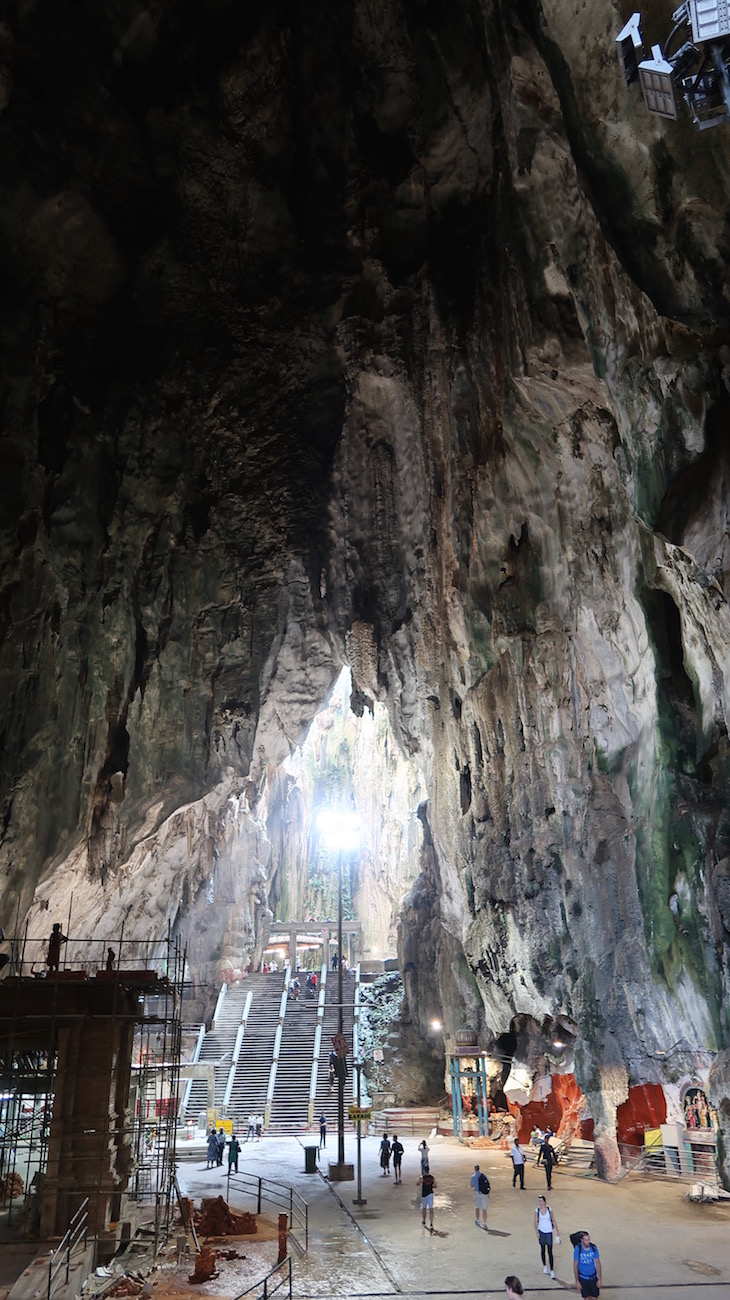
346 760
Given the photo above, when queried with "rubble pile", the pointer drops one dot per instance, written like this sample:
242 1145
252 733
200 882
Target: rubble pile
216 1219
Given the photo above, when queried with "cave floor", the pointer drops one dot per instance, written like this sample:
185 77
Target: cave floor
653 1241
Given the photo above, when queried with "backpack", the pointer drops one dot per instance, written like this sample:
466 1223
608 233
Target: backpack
484 1185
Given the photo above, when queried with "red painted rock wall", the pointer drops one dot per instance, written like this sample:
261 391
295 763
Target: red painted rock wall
560 1111
645 1108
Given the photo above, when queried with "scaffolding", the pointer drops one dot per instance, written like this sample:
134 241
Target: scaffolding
90 1040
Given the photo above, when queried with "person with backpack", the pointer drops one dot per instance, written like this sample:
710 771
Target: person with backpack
385 1155
234 1150
396 1150
427 1184
547 1155
547 1232
480 1183
586 1264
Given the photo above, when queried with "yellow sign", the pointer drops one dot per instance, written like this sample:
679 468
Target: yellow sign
359 1113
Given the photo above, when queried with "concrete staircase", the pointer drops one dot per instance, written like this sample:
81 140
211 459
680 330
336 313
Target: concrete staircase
289 1109
251 1080
290 1104
217 1048
326 1100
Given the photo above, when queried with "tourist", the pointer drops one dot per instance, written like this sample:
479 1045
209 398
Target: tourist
322 1131
547 1155
423 1148
251 1130
546 1228
513 1287
212 1148
234 1150
221 1145
385 1156
518 1164
587 1266
427 1184
259 1127
480 1185
111 957
396 1150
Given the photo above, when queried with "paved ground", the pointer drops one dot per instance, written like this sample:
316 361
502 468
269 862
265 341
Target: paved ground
654 1243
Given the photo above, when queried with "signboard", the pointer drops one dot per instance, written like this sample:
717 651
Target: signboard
340 1044
359 1112
378 1054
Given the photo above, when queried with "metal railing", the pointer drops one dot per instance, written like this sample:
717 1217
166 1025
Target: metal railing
60 1260
265 1288
670 1163
279 1195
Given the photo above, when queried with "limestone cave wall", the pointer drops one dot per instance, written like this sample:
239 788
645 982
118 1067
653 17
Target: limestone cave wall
396 335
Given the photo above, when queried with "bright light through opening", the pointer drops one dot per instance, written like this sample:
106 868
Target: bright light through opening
339 830
435 1024
557 1044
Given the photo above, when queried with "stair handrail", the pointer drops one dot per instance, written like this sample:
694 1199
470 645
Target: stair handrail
78 1227
275 1058
317 1046
189 1082
356 1029
219 1004
234 1064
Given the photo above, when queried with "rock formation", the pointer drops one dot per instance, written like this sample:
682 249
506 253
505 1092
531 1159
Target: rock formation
393 335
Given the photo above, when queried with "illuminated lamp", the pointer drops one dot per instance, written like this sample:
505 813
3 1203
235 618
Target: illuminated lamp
657 85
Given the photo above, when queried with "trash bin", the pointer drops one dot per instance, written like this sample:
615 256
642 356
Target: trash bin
310 1160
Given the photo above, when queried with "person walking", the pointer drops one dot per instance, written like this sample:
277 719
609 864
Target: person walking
427 1184
423 1151
547 1155
480 1185
518 1164
385 1156
251 1130
234 1150
587 1266
396 1150
212 1149
547 1231
513 1287
322 1131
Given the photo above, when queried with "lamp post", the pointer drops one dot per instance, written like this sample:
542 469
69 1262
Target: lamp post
340 831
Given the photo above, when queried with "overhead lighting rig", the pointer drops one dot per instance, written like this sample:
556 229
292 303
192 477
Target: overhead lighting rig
694 64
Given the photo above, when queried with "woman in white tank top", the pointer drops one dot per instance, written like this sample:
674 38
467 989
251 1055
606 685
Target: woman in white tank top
545 1227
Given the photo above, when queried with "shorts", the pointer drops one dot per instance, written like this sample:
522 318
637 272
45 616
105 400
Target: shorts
588 1285
427 1202
481 1200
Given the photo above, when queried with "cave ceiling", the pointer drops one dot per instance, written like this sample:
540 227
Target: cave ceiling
392 335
